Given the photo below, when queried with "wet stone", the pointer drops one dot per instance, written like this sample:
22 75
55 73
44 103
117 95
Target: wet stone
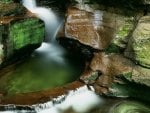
17 33
139 44
98 29
93 29
116 74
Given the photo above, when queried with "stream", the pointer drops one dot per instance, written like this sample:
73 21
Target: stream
51 66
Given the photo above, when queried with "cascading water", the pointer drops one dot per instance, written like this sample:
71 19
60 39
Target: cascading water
45 14
51 49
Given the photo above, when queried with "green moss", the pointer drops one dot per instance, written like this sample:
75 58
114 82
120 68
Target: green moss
124 30
142 54
118 43
6 1
128 76
25 32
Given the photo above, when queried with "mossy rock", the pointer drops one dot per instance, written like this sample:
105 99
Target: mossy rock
125 26
139 44
18 33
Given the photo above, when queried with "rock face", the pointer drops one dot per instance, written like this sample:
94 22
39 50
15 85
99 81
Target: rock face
90 28
18 32
96 28
115 74
139 44
122 48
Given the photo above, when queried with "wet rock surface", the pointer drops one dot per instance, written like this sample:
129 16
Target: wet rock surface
138 46
113 74
40 96
96 33
90 28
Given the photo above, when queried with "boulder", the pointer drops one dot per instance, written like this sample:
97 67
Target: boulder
20 33
115 75
94 29
97 28
139 44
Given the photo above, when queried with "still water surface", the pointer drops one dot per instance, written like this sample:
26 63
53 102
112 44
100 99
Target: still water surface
46 68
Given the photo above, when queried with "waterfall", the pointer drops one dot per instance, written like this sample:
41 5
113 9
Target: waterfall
80 100
51 49
47 15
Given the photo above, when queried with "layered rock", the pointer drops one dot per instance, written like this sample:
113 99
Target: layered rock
90 28
98 29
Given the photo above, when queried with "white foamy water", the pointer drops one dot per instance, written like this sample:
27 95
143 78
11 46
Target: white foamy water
80 100
51 51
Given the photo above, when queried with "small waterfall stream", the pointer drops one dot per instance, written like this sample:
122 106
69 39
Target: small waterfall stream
80 100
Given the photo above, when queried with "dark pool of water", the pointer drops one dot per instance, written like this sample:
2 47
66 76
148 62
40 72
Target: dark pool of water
43 70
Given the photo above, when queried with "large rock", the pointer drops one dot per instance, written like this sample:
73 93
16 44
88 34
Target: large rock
139 44
98 29
20 33
123 32
115 75
93 29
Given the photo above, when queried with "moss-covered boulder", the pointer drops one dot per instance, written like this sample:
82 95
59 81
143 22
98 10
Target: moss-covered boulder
20 33
123 32
139 44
